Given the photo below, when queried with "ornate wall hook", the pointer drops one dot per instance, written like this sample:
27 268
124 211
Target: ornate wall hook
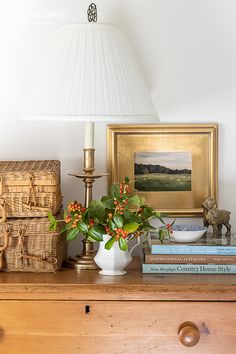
92 13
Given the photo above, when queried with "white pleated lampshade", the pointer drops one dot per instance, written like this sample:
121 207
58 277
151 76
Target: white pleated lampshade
92 75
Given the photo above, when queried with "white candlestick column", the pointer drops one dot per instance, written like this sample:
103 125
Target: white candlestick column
89 135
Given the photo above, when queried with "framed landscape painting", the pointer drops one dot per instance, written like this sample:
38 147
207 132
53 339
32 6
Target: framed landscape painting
174 166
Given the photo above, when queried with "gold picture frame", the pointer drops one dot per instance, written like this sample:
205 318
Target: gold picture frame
129 144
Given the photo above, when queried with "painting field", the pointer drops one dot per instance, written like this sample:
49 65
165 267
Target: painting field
163 171
163 182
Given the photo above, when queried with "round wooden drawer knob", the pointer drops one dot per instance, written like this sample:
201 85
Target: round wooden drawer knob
188 334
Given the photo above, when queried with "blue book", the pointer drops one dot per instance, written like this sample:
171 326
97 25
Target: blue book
214 246
189 268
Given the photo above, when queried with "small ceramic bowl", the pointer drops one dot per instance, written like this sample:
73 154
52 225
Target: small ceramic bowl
187 233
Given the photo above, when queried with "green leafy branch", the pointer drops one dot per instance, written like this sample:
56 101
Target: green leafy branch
122 214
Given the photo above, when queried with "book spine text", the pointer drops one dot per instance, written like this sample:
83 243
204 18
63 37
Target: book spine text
215 250
190 268
194 259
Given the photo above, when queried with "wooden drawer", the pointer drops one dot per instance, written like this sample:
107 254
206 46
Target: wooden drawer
116 327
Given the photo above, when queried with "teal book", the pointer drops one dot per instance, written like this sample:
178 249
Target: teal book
189 268
225 246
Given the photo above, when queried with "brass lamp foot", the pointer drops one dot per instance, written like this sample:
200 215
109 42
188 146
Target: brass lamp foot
85 260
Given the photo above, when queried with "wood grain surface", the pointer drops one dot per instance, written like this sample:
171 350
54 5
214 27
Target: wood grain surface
84 312
90 285
61 327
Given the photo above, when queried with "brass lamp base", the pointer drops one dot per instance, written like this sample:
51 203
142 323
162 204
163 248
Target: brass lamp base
85 261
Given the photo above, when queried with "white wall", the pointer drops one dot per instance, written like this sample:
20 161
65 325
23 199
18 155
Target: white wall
186 49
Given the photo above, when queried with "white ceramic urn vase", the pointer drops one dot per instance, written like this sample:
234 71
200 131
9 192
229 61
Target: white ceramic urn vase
113 261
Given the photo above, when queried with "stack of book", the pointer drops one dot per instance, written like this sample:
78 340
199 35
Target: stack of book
209 256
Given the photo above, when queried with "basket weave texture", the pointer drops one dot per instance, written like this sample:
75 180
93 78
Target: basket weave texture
29 188
27 245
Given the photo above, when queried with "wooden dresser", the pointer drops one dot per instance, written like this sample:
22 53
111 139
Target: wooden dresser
86 313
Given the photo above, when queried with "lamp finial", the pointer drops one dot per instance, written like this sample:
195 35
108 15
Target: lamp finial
92 13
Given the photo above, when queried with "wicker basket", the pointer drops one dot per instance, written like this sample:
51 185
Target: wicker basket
29 188
27 245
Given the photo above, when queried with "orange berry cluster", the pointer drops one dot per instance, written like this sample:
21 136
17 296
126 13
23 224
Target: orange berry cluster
120 204
74 207
108 230
124 188
118 232
76 210
169 228
140 210
91 222
121 233
67 219
74 224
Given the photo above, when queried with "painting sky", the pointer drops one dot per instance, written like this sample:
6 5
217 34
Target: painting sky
173 160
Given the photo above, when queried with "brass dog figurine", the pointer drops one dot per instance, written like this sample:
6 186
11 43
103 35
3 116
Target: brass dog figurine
215 217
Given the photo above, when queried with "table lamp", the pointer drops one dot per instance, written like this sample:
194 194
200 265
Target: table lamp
92 76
